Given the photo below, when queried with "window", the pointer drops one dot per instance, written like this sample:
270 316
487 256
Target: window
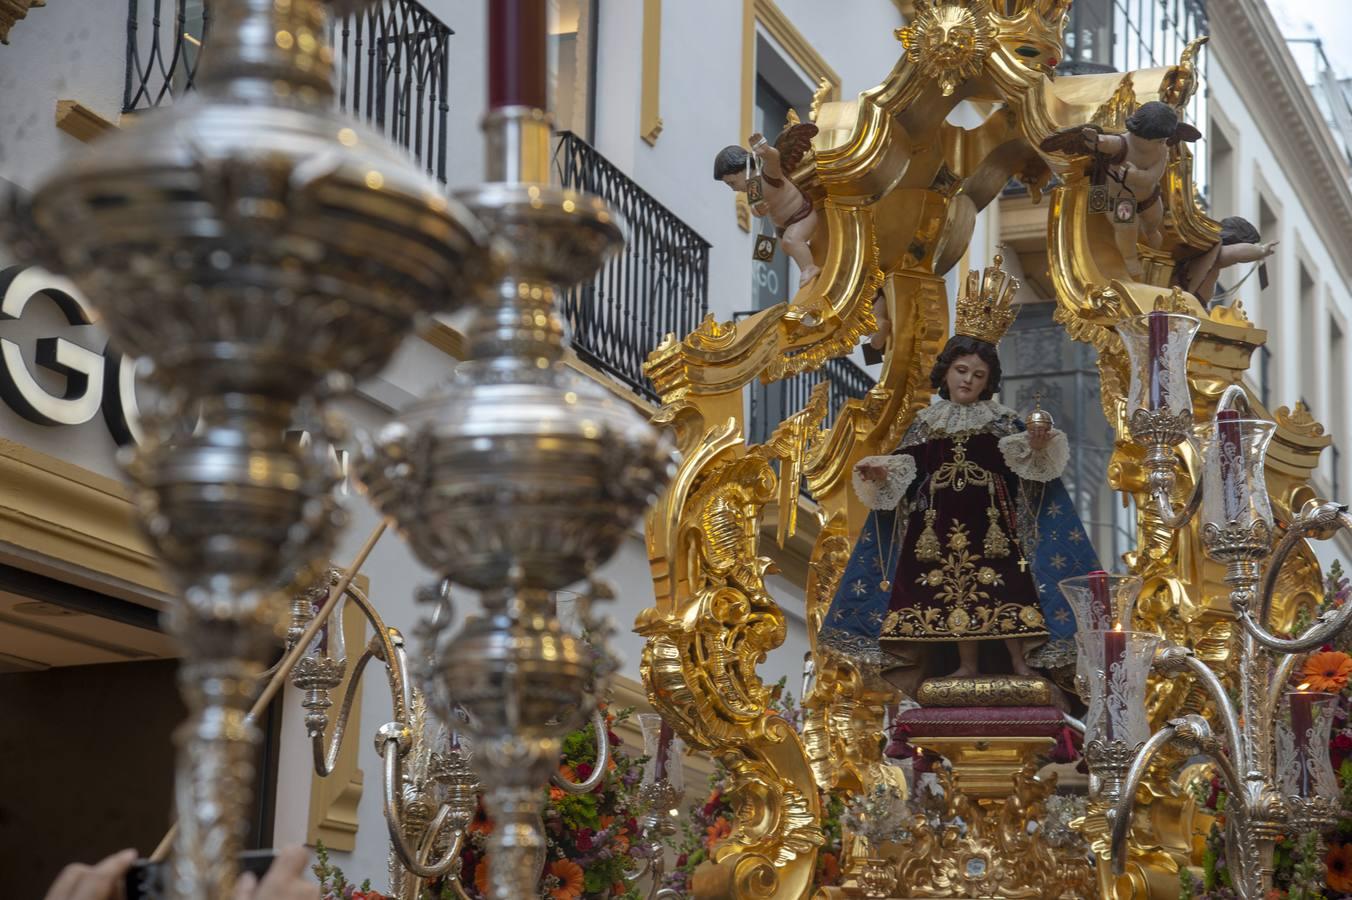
1041 363
572 65
1337 414
1309 337
1269 227
779 88
1220 191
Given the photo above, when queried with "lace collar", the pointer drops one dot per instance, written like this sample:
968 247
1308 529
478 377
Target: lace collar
947 417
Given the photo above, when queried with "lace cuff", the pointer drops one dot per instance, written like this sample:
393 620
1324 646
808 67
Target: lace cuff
1046 464
886 494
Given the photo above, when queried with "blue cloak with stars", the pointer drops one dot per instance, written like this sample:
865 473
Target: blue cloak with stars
1056 547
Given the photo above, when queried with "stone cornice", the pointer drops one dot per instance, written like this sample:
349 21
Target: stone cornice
1249 44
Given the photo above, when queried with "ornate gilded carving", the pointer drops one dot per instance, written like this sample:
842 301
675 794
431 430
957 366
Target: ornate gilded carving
947 41
897 190
12 11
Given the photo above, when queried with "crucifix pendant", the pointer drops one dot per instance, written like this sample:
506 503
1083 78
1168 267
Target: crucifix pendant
1023 564
885 585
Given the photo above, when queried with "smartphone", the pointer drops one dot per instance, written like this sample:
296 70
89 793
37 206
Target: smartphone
147 880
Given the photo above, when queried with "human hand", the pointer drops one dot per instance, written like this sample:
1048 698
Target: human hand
871 471
1091 137
1039 436
1269 248
102 881
758 143
286 879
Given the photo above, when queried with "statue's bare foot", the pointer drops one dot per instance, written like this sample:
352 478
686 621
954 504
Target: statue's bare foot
963 672
808 274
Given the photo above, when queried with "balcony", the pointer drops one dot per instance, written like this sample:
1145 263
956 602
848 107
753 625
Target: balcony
392 65
658 285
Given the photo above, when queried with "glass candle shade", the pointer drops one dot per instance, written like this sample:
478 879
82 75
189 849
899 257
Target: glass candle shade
1304 730
1234 460
1157 349
665 752
1116 664
1101 602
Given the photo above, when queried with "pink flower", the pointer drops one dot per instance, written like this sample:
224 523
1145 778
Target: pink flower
584 839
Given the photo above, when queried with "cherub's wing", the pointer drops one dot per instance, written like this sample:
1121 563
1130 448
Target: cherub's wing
794 143
1068 140
1185 132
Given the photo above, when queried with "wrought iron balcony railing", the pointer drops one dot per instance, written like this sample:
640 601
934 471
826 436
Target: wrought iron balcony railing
775 402
392 61
658 285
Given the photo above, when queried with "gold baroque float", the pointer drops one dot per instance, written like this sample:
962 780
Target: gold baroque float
897 189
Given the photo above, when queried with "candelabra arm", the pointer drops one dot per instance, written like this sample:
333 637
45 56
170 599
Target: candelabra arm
1160 495
1280 678
602 761
1224 705
410 858
1325 627
1324 519
1191 727
326 755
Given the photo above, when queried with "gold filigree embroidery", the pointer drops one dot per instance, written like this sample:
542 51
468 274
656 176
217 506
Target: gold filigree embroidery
927 545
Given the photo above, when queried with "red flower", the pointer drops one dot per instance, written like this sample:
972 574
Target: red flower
584 839
1340 748
584 771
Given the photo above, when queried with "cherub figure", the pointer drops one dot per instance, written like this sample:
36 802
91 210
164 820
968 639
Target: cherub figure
1133 163
1196 271
763 175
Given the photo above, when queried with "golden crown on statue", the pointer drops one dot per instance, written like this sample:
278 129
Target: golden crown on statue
986 309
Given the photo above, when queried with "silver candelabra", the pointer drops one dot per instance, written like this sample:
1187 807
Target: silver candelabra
1277 775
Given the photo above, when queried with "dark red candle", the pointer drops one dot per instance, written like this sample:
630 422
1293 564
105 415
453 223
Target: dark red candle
1114 658
1230 449
1302 726
1100 602
1159 342
664 738
517 57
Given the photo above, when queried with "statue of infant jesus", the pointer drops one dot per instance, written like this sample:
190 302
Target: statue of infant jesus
763 175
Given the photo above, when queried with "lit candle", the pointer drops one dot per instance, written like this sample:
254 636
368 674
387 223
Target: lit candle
1100 602
664 737
1159 371
1230 449
1114 658
517 55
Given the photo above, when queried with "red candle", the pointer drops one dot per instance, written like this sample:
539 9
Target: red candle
1302 726
1159 341
1100 602
517 58
664 737
1114 657
1230 447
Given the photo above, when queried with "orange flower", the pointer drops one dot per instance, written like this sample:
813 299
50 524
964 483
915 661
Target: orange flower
1339 862
567 772
481 877
1328 671
555 794
569 875
717 831
606 822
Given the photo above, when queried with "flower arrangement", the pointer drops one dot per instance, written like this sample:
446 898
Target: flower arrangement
592 838
333 885
593 847
1299 872
709 821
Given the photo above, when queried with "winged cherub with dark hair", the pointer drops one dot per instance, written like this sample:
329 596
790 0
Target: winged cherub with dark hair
763 174
1135 162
